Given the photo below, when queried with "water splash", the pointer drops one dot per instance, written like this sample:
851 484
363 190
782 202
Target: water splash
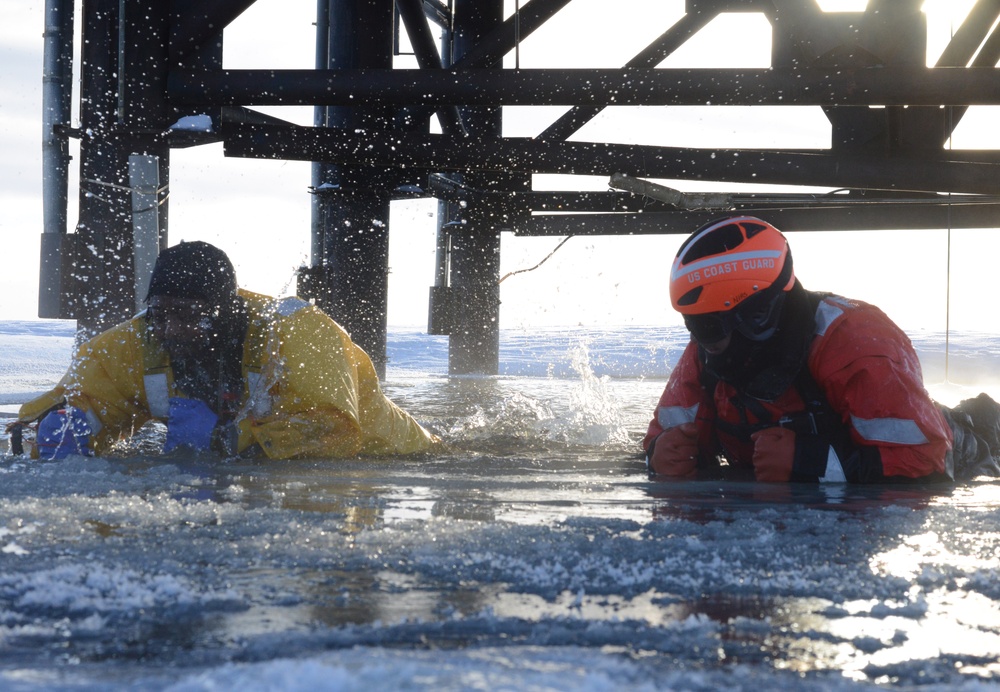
596 416
580 411
514 415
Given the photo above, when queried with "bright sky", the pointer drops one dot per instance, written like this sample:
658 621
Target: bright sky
258 211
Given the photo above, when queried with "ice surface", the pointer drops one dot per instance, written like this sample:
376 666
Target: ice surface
33 356
533 554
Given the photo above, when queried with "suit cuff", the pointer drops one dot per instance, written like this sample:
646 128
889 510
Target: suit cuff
811 452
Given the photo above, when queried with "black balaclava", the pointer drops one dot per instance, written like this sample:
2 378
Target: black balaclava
765 369
199 271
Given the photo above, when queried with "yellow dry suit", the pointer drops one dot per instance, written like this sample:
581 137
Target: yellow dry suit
308 390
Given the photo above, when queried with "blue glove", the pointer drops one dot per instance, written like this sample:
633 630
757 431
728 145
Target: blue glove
62 433
189 424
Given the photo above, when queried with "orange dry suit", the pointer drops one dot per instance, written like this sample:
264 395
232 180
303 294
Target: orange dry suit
844 377
308 390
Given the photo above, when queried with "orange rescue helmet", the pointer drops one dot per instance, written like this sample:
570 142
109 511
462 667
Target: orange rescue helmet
725 262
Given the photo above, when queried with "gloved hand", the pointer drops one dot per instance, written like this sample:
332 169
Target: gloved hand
15 431
674 452
773 454
189 424
62 433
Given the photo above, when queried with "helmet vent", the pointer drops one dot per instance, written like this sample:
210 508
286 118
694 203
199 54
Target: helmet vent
715 243
691 297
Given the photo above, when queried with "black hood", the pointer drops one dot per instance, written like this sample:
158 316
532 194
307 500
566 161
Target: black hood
197 271
200 271
765 369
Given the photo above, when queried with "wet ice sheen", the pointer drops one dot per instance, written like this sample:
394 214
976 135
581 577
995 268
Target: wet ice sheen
533 554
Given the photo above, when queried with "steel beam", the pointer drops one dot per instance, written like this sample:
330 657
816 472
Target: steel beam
197 22
522 155
825 218
977 44
970 35
425 50
649 57
619 200
489 49
806 86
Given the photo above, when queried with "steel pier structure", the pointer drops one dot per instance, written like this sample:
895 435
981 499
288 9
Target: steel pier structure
433 127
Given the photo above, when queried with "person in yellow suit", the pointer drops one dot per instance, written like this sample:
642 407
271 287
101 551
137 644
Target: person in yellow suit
228 371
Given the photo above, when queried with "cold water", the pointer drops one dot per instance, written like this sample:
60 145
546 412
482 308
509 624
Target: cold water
533 553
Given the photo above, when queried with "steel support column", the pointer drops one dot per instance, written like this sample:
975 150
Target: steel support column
103 265
350 214
57 85
474 343
145 115
123 112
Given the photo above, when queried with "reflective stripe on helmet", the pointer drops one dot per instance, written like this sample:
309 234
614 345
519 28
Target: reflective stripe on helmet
681 269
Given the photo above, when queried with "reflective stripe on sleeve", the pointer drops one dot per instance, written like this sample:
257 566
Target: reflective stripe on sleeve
260 399
826 313
672 416
900 431
157 395
94 422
